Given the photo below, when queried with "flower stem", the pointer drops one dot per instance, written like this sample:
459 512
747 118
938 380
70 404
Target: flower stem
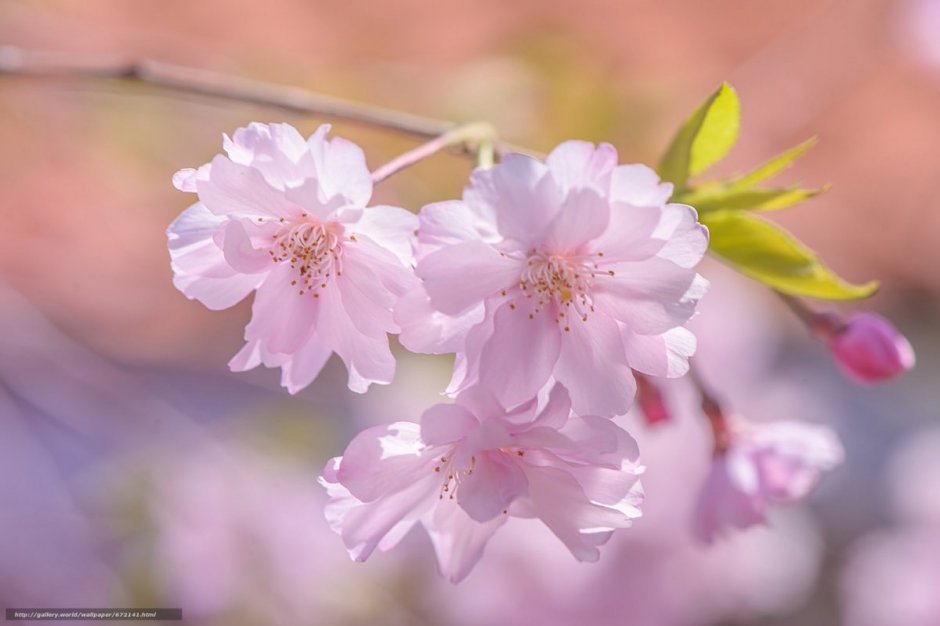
823 325
486 155
477 134
712 410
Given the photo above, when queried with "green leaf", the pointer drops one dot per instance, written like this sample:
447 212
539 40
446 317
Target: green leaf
704 138
773 166
714 198
767 253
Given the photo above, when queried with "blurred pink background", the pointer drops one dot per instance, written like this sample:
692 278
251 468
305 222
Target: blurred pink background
136 470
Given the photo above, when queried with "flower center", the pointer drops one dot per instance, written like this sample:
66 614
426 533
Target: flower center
452 476
564 281
314 249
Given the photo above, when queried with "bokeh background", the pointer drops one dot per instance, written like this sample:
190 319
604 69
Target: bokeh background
135 470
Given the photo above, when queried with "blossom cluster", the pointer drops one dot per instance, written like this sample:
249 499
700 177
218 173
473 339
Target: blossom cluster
557 285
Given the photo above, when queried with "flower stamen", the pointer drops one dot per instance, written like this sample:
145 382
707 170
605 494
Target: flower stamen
562 281
453 476
314 249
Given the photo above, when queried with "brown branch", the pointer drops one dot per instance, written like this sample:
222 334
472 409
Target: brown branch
17 62
180 79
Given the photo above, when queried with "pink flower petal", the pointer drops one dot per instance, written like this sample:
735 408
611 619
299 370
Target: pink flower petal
686 240
446 423
639 186
599 441
341 166
239 252
344 172
651 296
467 362
391 228
791 456
305 364
185 179
575 164
520 192
460 276
199 266
366 303
592 365
384 459
456 221
583 216
664 355
559 501
366 526
556 411
428 331
265 143
314 200
253 354
722 505
278 151
629 235
281 318
520 355
492 433
234 189
481 402
611 487
458 539
368 359
395 278
496 481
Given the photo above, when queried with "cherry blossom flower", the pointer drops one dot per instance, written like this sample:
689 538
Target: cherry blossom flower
757 465
287 218
869 348
471 465
575 269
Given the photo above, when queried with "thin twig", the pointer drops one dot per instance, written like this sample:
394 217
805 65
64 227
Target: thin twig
823 325
477 133
713 412
797 308
17 62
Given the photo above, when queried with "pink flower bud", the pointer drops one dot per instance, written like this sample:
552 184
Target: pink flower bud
869 348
